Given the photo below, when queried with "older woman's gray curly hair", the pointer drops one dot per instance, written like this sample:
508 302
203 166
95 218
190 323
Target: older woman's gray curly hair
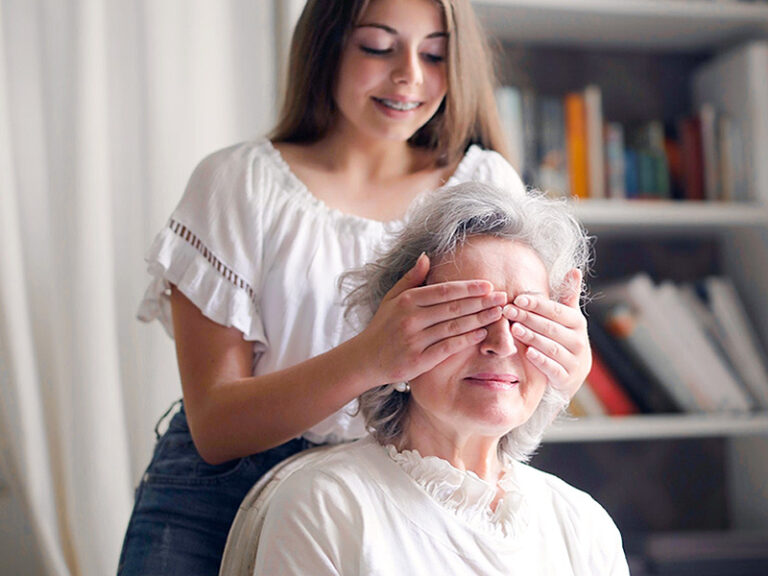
438 224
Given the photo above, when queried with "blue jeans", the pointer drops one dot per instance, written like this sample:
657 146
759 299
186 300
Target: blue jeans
184 506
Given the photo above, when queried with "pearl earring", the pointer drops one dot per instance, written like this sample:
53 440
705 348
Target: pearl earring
403 387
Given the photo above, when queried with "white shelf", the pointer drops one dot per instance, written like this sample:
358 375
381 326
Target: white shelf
658 426
612 215
679 25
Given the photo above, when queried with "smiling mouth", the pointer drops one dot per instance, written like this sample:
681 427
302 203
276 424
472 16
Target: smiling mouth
398 105
494 381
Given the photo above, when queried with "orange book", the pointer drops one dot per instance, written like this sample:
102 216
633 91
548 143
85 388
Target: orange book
576 139
616 401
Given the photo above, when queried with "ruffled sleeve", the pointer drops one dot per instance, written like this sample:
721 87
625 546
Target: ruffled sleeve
212 246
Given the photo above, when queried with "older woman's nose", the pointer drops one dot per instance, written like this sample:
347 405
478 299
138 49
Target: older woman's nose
499 341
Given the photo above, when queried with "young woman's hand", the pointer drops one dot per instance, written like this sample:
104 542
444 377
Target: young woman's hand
556 335
416 327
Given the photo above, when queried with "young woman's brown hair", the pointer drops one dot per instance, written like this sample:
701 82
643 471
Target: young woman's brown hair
468 115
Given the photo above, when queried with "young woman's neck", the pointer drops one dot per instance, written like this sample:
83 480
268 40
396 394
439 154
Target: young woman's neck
371 159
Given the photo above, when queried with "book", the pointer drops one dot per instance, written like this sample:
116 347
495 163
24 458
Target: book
736 83
648 139
576 144
647 178
593 109
648 394
575 407
608 390
666 353
631 174
710 379
675 165
530 136
553 159
614 157
738 336
692 158
509 103
734 176
587 404
709 152
640 340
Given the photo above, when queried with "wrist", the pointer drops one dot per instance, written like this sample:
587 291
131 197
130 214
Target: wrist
364 363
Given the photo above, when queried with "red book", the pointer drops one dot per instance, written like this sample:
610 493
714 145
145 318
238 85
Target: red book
692 158
608 389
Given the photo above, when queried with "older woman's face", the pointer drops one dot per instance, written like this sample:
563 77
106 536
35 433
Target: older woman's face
491 388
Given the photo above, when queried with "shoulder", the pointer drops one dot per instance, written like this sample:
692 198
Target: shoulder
330 482
481 165
339 464
581 519
245 183
569 504
247 163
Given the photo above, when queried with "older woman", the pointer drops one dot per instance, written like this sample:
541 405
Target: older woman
441 486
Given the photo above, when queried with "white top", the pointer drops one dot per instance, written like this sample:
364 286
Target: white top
365 509
252 248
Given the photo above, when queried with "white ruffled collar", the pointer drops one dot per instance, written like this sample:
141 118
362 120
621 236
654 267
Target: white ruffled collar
467 495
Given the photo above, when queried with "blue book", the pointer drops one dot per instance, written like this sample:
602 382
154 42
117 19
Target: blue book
631 174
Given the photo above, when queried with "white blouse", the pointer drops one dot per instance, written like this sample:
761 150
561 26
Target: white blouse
365 509
252 248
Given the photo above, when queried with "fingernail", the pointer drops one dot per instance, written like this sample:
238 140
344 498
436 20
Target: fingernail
518 330
499 297
522 301
510 311
480 334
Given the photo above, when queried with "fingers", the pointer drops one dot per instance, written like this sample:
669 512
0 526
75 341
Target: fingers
450 291
555 334
413 278
443 349
460 325
550 321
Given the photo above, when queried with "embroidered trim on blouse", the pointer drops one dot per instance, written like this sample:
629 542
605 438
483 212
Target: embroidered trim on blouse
188 236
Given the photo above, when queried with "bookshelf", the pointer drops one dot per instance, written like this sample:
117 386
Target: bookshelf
643 53
681 25
615 216
658 426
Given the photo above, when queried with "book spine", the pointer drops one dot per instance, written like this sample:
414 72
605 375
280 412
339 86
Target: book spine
641 386
614 152
576 138
593 105
710 154
624 325
692 160
608 389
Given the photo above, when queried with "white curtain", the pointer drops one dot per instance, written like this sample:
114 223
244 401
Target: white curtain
105 107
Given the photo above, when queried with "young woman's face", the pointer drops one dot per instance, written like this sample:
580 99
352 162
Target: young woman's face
491 388
392 75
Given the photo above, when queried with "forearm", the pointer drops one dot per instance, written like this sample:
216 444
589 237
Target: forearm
239 417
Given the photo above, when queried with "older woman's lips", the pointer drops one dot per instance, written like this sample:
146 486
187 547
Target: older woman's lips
494 381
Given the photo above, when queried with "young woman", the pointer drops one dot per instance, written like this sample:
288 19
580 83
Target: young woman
386 99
